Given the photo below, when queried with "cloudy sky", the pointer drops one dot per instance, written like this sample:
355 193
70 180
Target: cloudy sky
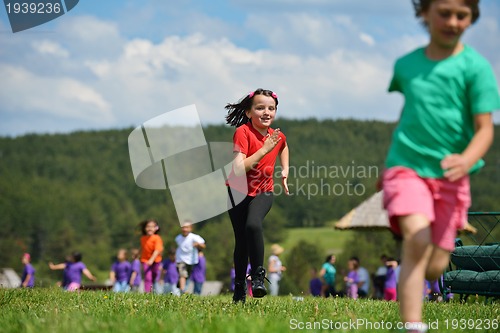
118 63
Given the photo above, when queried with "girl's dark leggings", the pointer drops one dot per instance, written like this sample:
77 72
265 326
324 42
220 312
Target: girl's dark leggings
247 218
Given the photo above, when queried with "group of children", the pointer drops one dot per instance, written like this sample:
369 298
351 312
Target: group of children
184 261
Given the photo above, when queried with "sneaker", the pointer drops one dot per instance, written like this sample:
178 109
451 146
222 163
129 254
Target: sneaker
240 291
258 287
416 327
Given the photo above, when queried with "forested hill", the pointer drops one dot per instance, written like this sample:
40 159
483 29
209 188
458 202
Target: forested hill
61 192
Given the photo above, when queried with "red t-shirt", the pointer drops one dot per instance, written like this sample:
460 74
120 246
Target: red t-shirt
247 140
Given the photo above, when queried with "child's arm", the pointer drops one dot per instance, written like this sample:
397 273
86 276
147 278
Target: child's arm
243 163
112 276
458 165
57 267
132 278
199 246
285 163
89 275
26 280
155 254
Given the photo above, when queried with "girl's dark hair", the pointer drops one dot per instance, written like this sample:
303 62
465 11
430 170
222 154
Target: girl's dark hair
77 256
422 6
143 224
328 258
236 112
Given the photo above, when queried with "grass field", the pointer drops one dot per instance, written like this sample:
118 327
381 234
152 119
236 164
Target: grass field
328 239
52 310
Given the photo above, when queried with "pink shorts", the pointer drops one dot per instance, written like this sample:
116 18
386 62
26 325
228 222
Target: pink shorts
444 203
390 294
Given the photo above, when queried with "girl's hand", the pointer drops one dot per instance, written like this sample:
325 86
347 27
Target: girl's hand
271 141
284 176
455 166
150 262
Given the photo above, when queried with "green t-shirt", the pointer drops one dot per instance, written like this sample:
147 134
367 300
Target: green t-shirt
441 99
330 272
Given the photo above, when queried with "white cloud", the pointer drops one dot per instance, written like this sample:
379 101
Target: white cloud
366 38
63 97
47 47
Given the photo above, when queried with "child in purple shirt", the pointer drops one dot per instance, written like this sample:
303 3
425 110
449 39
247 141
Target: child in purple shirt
120 272
198 273
135 270
28 277
391 282
74 271
315 284
352 279
170 274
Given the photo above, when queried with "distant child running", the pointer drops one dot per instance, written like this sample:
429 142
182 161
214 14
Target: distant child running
186 255
256 147
444 130
151 250
120 272
74 270
28 277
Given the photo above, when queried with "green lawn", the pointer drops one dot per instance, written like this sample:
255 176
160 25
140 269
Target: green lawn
54 311
328 239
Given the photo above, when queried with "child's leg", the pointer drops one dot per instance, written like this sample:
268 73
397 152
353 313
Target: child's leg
238 216
257 211
437 263
148 277
417 250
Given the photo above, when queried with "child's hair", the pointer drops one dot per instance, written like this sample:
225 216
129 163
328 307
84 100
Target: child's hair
422 6
144 223
77 256
329 257
134 253
236 112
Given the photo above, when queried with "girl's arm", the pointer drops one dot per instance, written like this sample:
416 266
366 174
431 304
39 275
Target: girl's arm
285 164
89 275
458 165
112 276
26 280
243 164
57 267
155 254
132 278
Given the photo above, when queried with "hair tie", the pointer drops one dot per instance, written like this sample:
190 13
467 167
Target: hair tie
274 95
250 94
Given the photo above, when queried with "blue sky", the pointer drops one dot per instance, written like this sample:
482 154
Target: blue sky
118 63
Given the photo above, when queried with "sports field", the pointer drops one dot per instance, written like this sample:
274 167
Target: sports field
52 311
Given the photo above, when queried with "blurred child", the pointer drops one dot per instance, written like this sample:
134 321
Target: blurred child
135 270
151 250
391 282
315 284
28 277
186 255
120 272
74 271
170 274
352 279
198 275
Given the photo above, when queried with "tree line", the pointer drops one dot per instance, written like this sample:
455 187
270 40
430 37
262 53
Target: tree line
61 192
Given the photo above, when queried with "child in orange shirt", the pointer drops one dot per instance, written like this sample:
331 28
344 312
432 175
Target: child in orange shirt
151 250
